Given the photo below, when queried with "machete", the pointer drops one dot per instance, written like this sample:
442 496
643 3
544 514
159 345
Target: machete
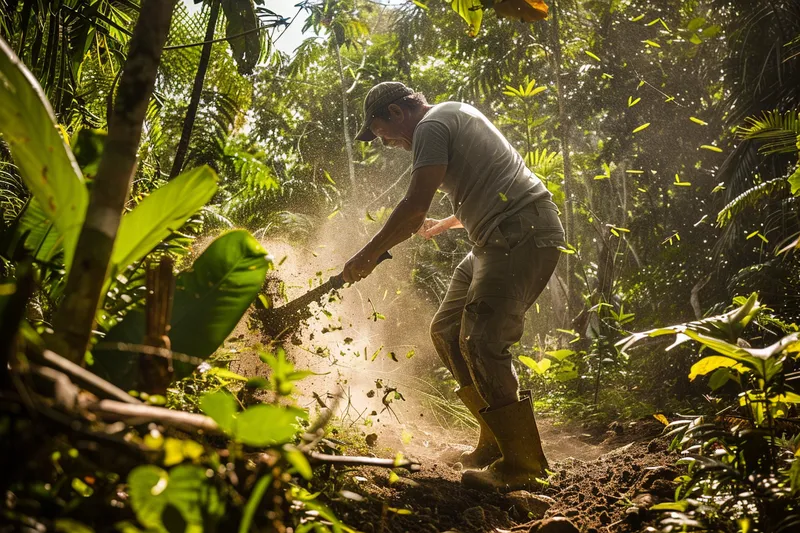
277 321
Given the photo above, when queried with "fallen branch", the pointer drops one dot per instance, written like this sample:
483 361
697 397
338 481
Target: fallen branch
91 381
139 414
347 460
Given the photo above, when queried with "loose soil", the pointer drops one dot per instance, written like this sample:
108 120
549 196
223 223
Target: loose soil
610 492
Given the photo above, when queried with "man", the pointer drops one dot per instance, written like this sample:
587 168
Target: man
514 226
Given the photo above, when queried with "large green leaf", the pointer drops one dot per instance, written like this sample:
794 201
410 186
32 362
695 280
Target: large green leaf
161 213
186 490
260 425
266 425
46 165
210 299
709 364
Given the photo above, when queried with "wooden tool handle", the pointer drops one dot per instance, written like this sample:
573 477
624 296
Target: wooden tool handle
337 281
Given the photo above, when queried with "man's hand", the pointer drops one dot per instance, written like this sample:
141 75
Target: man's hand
426 226
432 227
359 266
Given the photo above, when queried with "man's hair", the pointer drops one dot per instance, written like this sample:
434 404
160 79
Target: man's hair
410 102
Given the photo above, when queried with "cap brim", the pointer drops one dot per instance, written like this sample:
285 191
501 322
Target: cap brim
365 134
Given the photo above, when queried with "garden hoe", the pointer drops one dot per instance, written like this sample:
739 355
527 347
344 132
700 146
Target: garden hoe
277 322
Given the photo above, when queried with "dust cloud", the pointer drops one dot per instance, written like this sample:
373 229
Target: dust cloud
370 347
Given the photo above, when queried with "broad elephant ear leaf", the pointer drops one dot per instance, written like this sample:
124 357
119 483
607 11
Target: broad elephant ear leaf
45 163
210 299
160 214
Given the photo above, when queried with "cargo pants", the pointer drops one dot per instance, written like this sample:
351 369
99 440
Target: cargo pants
483 312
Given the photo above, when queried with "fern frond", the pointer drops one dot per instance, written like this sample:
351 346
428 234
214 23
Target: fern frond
780 131
750 198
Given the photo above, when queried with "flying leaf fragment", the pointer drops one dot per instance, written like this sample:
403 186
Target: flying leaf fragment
593 56
711 148
661 418
654 44
698 121
634 171
503 197
637 19
679 183
642 127
632 102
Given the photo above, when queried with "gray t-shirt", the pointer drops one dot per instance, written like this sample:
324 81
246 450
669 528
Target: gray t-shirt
486 177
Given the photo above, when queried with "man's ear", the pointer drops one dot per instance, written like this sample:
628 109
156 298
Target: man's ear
396 112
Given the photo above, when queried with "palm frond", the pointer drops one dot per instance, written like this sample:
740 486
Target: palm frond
779 131
546 165
750 198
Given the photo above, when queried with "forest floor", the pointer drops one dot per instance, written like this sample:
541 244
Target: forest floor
602 480
603 486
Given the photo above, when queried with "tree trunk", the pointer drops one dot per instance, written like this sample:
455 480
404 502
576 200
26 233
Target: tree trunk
348 141
74 319
564 127
197 90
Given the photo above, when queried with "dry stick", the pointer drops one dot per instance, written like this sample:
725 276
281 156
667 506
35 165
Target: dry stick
347 460
75 317
88 379
136 414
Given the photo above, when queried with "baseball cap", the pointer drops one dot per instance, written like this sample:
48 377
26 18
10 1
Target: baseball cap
379 97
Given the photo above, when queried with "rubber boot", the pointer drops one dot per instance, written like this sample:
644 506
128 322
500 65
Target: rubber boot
523 460
486 451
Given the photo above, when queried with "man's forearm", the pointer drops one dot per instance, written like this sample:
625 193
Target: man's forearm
403 223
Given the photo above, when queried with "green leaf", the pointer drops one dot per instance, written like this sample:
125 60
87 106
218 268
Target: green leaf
186 489
210 299
642 127
266 425
680 506
251 506
46 165
593 56
695 24
222 407
472 13
560 355
224 373
161 213
710 364
241 17
719 378
794 181
711 148
43 240
540 367
789 397
298 460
